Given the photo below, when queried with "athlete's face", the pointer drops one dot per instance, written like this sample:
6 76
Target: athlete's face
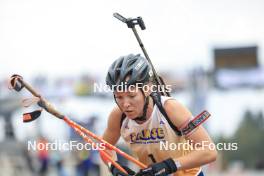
131 102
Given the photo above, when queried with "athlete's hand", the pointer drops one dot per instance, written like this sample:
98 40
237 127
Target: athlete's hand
117 172
159 169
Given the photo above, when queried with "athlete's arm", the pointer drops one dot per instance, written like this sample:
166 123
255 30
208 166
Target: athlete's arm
112 131
179 115
111 135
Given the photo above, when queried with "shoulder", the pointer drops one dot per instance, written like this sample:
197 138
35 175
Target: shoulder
177 112
115 118
112 132
116 111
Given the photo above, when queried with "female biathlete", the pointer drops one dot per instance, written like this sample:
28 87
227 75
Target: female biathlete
150 123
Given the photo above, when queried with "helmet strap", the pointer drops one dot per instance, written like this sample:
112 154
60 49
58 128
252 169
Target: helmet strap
143 117
117 103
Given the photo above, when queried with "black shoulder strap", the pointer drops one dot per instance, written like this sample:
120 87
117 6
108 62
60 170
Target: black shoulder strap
198 120
157 100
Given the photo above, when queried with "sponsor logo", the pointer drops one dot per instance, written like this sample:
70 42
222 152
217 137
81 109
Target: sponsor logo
147 136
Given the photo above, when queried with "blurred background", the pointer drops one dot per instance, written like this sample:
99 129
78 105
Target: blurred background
211 52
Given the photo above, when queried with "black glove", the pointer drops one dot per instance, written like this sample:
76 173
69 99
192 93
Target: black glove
117 172
163 168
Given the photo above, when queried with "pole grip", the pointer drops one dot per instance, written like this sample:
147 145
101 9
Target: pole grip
120 17
43 102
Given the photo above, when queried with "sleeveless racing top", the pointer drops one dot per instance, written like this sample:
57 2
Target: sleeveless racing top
155 140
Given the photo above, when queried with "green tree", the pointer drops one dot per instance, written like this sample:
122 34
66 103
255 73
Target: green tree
250 138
